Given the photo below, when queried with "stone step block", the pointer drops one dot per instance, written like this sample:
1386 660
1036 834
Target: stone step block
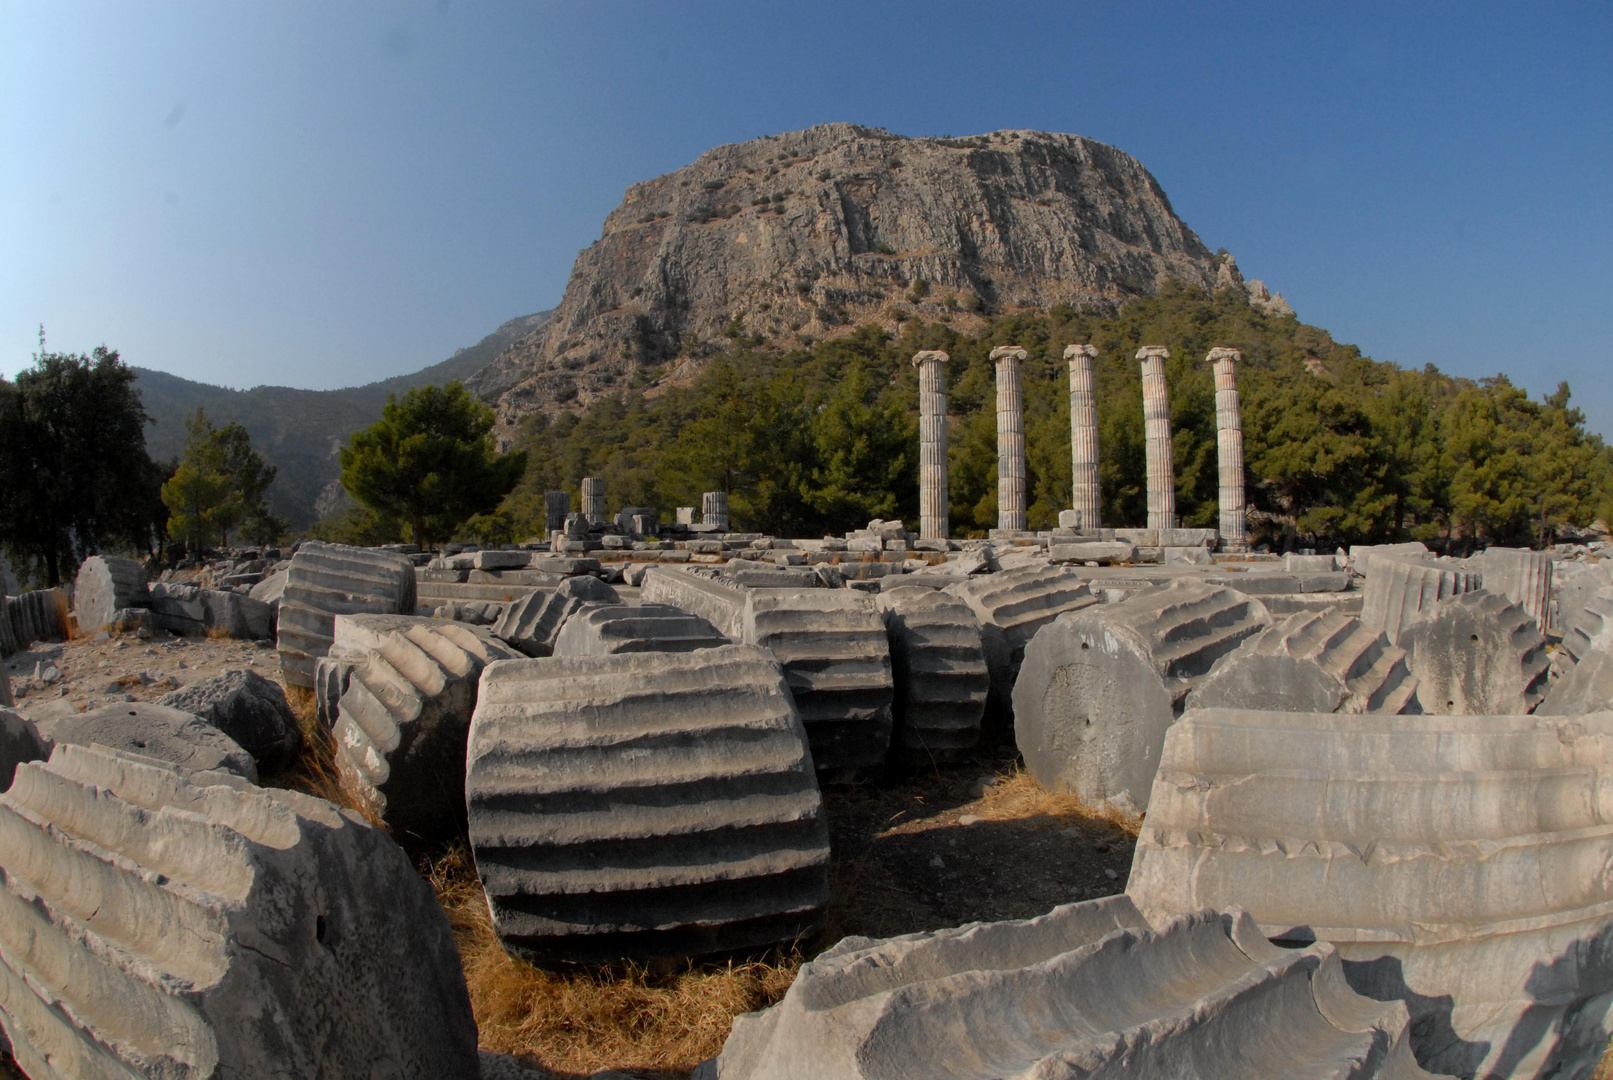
1100 686
531 624
938 663
1400 590
1454 861
1522 576
154 923
327 580
106 583
624 628
1012 605
1361 555
402 716
832 646
1087 990
714 597
643 805
1319 661
1477 654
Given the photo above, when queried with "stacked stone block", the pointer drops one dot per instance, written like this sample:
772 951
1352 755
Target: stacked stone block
327 580
1400 589
1011 607
1477 654
158 924
832 646
403 716
105 585
532 624
939 666
1311 661
643 805
1087 990
1100 687
1457 863
622 628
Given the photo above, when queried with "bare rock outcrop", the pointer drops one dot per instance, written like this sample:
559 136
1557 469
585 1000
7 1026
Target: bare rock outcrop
644 804
1456 862
161 924
1087 990
813 230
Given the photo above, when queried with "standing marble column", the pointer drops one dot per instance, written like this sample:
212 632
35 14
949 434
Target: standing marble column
1083 437
933 493
1010 438
714 509
593 500
1229 444
1157 438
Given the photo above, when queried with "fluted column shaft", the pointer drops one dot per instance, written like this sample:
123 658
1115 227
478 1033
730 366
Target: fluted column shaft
1157 438
1083 436
593 500
1229 445
933 495
1010 438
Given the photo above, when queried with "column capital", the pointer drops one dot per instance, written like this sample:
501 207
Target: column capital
1148 352
1218 354
1008 352
1072 351
925 356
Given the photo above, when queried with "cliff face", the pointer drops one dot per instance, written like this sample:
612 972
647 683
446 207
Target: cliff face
808 233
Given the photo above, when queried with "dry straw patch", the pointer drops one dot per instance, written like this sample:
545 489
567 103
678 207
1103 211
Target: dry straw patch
597 1018
1017 795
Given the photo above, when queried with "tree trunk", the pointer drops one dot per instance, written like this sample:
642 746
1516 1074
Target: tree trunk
52 567
419 532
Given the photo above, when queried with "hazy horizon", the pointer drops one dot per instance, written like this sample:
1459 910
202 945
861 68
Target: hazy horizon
321 197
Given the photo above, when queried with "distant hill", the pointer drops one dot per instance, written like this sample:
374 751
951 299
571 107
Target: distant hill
791 238
302 431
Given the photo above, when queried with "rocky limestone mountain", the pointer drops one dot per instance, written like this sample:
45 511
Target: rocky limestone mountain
803 235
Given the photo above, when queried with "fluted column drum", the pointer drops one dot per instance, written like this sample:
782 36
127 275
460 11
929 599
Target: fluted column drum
1229 444
1083 436
933 494
593 500
1157 438
1010 438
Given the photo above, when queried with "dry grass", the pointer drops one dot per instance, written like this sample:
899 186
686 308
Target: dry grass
315 772
1017 795
580 1022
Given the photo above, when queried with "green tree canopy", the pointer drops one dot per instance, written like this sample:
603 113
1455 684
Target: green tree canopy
75 477
219 486
1338 448
430 462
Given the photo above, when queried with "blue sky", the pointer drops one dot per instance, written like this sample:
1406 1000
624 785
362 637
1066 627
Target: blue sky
326 194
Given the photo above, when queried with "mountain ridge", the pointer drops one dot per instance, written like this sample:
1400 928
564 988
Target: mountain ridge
800 236
301 432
